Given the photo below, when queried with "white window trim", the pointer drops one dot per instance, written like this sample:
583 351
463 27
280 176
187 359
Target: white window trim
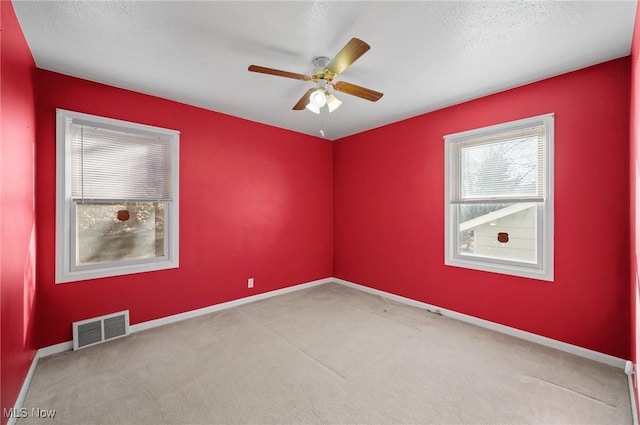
547 220
64 271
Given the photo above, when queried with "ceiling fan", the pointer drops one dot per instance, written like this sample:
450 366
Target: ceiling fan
328 69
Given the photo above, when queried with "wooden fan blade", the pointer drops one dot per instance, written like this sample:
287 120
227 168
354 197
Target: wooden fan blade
348 55
304 100
278 73
365 93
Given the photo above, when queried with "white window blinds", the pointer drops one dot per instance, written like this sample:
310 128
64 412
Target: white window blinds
505 166
112 164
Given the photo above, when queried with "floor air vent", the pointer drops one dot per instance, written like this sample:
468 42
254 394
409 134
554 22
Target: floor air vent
100 329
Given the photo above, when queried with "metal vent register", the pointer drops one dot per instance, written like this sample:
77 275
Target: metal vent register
100 329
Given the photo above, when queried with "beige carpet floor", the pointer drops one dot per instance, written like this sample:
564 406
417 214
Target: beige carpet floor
325 355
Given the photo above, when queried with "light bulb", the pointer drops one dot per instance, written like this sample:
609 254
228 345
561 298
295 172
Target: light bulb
318 98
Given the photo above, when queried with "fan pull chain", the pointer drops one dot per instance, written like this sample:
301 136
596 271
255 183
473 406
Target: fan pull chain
321 124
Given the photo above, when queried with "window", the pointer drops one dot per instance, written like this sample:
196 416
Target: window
499 198
117 197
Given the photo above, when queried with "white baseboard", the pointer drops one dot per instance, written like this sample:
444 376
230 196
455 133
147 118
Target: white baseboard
632 396
223 306
68 345
548 342
40 353
25 387
559 345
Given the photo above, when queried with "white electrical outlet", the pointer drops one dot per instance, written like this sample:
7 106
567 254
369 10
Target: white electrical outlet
250 283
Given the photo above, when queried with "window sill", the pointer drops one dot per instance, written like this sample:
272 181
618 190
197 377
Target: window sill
74 276
546 275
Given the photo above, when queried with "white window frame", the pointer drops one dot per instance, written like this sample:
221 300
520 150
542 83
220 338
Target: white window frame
65 206
544 269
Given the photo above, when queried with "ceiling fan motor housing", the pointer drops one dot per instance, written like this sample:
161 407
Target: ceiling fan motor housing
320 63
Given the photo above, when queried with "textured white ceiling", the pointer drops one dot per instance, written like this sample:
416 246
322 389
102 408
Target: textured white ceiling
424 55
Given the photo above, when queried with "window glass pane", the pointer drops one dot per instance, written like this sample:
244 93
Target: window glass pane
119 231
498 231
506 168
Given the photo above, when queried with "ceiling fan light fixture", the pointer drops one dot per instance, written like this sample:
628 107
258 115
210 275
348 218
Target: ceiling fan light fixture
313 108
318 98
333 102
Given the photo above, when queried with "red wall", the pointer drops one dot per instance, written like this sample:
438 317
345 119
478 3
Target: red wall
389 211
255 201
634 191
17 217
